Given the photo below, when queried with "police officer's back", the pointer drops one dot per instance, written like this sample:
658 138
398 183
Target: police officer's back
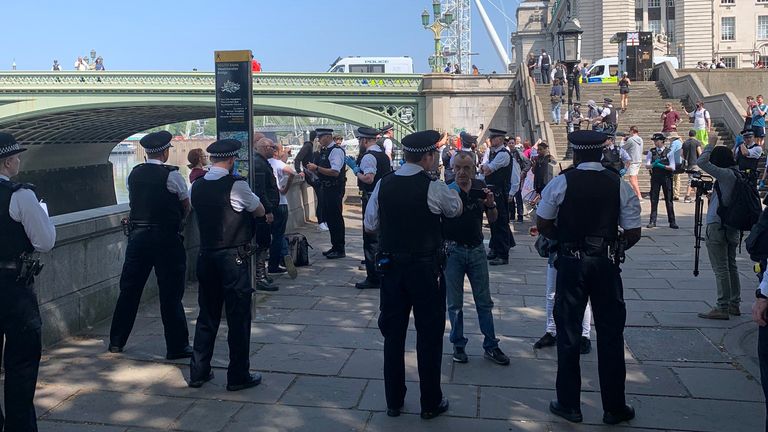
25 229
159 202
583 209
405 208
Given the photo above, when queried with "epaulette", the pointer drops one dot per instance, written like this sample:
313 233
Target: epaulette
13 186
170 168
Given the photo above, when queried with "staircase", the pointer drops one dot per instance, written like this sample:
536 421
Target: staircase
646 103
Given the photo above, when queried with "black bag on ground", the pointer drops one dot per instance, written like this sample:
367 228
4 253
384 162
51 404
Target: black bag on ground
757 240
744 209
298 248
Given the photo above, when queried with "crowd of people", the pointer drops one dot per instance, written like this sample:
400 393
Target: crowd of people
83 64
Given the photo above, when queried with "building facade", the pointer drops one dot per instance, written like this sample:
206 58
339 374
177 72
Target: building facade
692 30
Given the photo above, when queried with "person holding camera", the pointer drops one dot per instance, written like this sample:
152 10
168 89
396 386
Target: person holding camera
661 164
466 256
721 239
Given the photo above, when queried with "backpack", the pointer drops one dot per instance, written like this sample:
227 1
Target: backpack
757 240
745 208
298 248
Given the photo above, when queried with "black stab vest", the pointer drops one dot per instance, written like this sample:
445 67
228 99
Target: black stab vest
406 225
325 162
221 227
15 241
612 158
501 177
591 206
150 200
661 156
746 163
383 167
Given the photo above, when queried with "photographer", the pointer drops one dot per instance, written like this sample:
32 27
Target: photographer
721 240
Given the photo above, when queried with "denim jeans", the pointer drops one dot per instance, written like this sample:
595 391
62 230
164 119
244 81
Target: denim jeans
721 247
473 263
556 112
586 324
278 235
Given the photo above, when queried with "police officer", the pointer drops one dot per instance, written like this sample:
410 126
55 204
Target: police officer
405 208
661 165
159 202
615 157
469 145
265 187
374 164
498 172
748 154
387 142
25 229
608 121
227 212
583 210
332 173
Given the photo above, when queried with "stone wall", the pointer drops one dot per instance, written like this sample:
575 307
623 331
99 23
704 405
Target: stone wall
79 284
740 82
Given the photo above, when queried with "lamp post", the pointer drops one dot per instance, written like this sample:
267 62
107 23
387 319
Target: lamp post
93 55
569 44
440 23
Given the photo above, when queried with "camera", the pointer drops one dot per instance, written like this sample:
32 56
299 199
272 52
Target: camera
700 181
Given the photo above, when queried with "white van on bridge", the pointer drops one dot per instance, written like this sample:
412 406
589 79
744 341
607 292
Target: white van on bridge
372 65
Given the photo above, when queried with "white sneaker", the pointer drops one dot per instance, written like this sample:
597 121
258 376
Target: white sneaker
323 226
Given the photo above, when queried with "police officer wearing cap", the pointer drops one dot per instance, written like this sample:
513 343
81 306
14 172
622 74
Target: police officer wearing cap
747 155
25 229
405 209
615 157
469 144
159 202
387 141
226 211
498 173
608 121
332 173
583 209
374 164
661 165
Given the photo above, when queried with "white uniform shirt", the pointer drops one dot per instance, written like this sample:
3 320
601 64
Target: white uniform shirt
368 162
752 153
241 197
388 145
175 184
336 157
25 209
440 199
554 194
670 158
498 162
278 169
514 181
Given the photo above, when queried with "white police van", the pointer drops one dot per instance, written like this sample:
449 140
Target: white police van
372 65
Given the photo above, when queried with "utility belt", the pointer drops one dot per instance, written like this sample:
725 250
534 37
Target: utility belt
451 243
328 184
595 247
244 252
387 261
24 268
130 226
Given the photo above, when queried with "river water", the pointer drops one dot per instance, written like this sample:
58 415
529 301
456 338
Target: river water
122 164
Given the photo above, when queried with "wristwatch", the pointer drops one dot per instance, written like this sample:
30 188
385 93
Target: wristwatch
759 294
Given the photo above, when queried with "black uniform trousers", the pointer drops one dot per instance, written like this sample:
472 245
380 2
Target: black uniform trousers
164 251
664 182
332 205
223 283
20 327
598 280
370 247
419 286
501 235
762 354
516 204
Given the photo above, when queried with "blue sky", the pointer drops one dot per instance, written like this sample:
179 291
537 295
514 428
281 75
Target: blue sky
285 35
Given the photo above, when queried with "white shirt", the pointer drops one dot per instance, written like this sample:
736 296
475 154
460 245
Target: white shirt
514 181
175 183
605 112
241 197
336 157
368 162
700 118
670 158
752 153
440 199
499 161
25 209
388 147
278 169
554 194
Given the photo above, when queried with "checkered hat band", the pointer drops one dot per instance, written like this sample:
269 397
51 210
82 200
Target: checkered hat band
588 147
224 155
157 150
420 150
14 147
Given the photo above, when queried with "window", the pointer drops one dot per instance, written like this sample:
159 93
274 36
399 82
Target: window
728 28
639 25
654 3
613 70
762 27
654 26
671 30
358 68
670 3
638 4
338 69
379 68
727 2
597 70
730 62
763 59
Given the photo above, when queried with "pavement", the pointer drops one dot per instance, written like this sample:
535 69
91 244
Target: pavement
317 344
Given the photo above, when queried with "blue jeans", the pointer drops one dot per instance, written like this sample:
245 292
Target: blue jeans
278 236
556 112
473 263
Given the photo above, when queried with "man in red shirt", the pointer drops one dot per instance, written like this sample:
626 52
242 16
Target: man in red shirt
670 118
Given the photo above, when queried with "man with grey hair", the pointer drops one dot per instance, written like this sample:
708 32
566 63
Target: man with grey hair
265 187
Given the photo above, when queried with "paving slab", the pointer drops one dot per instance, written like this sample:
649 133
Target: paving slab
207 415
279 418
669 344
296 358
728 384
462 398
327 392
413 423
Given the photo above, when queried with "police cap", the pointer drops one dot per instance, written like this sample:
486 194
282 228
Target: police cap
746 133
658 137
493 133
467 138
421 142
366 132
323 131
387 127
587 140
156 142
224 148
9 146
607 100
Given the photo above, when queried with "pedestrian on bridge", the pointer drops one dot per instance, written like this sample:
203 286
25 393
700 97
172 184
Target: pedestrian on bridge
26 229
159 202
332 177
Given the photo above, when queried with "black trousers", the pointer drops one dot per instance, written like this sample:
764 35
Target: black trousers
663 182
417 286
516 204
319 203
762 354
370 247
223 283
164 251
20 327
597 280
501 235
332 205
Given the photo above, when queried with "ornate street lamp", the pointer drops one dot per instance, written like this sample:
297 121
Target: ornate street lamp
569 44
440 23
93 54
